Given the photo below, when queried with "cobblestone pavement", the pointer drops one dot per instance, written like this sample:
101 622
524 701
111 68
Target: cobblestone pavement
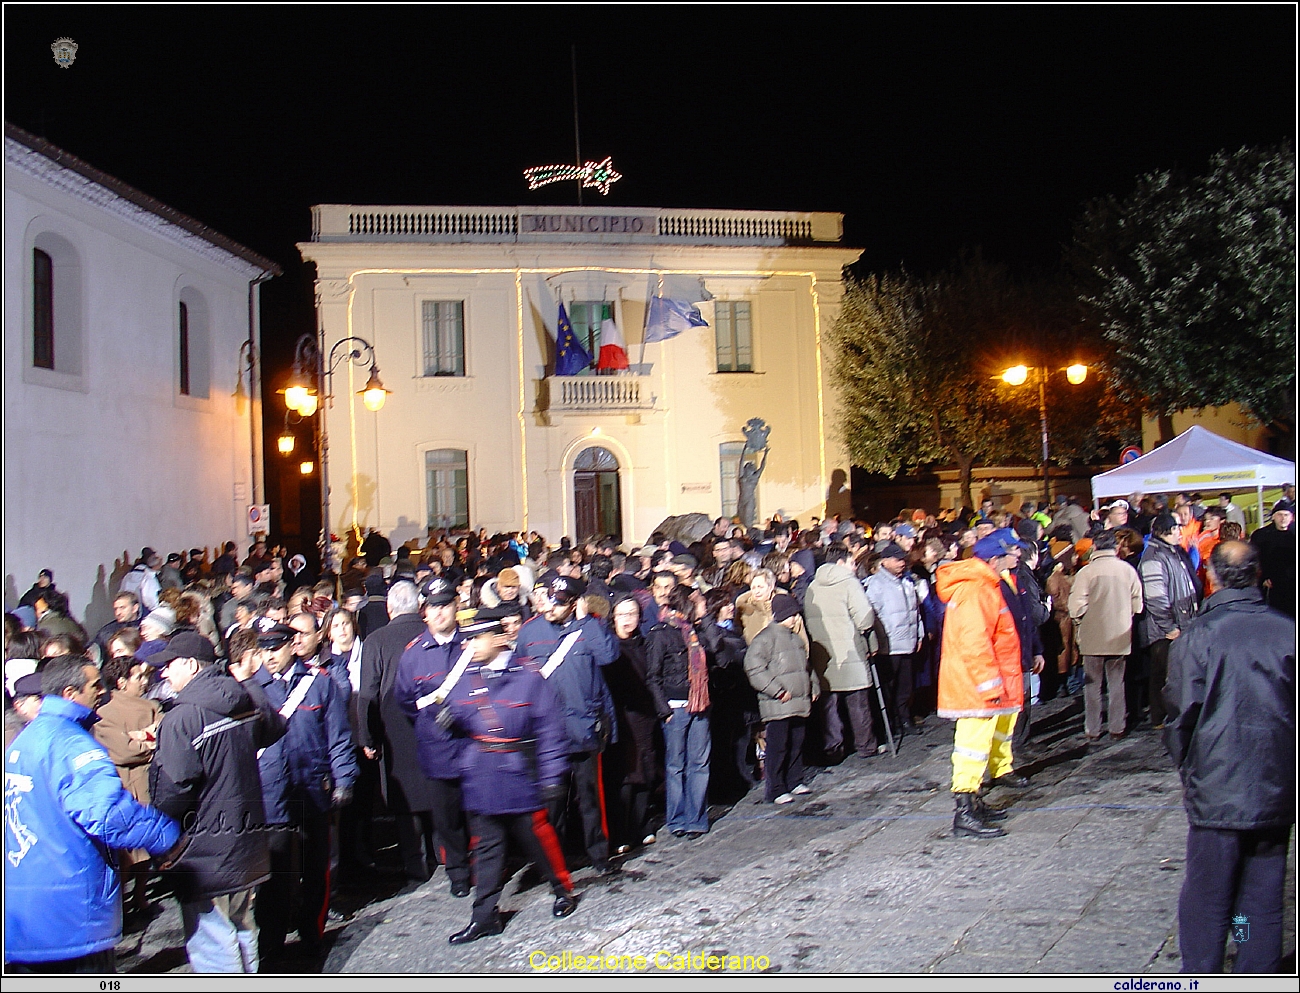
862 875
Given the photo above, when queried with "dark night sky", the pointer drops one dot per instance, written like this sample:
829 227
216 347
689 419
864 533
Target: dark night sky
932 128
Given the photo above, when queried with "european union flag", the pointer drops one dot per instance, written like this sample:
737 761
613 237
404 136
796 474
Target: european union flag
570 357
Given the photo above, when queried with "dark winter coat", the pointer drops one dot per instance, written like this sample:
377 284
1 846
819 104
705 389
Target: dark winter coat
316 755
1025 601
1170 590
204 774
578 683
729 688
507 762
382 725
1230 696
626 677
423 667
668 667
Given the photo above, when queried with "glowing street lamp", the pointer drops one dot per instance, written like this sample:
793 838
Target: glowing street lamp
285 443
373 393
1018 375
310 366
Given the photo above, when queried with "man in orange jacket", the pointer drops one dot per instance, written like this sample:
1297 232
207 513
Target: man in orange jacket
980 683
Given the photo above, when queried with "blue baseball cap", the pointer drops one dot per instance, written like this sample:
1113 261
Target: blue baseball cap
1000 542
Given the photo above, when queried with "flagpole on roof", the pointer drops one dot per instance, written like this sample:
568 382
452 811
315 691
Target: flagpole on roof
577 144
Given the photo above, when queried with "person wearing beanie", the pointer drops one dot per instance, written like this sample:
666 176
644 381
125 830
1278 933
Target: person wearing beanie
1276 544
777 667
980 681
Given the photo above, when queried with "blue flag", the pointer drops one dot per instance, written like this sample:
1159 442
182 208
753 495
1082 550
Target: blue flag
668 318
570 357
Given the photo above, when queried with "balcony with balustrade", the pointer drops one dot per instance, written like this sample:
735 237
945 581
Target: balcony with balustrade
625 393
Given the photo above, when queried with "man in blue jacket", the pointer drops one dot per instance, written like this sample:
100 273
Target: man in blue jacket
514 760
305 775
569 649
65 807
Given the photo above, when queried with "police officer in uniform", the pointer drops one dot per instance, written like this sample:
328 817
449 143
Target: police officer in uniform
425 675
569 648
515 758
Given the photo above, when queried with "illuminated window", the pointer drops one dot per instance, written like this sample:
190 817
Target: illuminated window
446 475
733 335
444 337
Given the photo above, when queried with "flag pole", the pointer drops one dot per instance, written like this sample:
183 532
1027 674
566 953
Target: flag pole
577 144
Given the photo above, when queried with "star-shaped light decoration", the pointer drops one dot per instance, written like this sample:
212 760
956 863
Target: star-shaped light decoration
593 175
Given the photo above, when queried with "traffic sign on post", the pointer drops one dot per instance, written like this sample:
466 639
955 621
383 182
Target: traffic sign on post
1129 454
259 518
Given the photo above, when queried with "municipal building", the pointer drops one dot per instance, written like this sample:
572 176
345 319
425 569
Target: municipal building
459 305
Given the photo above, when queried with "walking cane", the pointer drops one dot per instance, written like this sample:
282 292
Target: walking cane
880 695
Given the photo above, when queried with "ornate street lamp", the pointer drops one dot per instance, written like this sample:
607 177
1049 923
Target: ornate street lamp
303 396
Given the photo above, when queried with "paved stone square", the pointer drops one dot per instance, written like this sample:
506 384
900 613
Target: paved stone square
862 875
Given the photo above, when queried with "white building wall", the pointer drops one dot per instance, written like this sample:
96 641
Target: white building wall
520 455
100 464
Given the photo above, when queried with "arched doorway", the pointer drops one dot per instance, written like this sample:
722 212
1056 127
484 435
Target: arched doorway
598 507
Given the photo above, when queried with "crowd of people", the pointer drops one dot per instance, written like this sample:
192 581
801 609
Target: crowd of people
242 725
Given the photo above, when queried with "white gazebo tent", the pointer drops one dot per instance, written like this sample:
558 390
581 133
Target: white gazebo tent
1197 459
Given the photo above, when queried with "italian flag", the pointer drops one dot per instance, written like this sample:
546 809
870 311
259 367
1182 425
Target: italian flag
613 350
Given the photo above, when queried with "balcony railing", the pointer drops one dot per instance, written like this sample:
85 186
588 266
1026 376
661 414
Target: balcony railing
661 225
599 394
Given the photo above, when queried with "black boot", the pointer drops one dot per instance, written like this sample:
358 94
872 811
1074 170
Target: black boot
986 813
965 822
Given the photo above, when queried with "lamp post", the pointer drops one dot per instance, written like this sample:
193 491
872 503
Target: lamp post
1018 375
312 372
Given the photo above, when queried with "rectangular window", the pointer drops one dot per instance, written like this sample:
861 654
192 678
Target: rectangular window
185 349
42 310
586 317
729 453
444 337
446 474
733 335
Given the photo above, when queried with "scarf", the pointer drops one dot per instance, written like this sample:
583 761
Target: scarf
697 702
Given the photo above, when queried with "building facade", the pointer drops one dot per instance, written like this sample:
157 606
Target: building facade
130 417
459 304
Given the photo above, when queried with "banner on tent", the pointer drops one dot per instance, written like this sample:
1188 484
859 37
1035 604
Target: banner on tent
1217 477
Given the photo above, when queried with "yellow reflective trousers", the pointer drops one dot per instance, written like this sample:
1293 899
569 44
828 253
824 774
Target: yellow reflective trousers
981 743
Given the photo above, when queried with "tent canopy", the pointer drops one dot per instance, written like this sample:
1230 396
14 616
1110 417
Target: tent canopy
1197 459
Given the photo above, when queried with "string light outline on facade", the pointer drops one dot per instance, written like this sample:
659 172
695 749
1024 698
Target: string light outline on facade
518 272
593 175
